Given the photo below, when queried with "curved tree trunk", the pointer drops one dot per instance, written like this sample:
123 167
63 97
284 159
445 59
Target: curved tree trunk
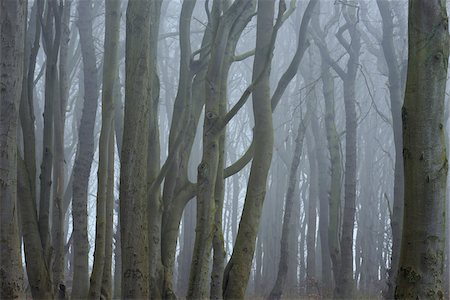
238 268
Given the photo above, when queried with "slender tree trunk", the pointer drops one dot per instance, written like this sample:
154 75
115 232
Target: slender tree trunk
37 271
208 168
278 288
12 28
59 118
395 93
420 273
105 198
51 33
311 279
323 181
238 268
85 152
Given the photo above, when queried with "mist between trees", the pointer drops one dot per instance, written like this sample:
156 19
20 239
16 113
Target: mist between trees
224 149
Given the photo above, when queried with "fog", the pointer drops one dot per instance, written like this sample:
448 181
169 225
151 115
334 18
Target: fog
224 149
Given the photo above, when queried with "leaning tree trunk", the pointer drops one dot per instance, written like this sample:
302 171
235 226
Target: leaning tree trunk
238 268
106 154
85 152
421 265
12 28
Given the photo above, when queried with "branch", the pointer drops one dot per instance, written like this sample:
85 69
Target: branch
248 91
302 45
243 56
341 38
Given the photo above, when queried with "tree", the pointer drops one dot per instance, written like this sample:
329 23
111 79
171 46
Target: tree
133 168
237 270
420 273
345 281
12 28
85 151
105 200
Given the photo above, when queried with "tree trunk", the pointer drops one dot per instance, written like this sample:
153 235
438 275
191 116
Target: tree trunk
238 268
323 184
311 279
106 155
12 28
51 33
85 152
395 93
420 273
133 169
59 118
278 288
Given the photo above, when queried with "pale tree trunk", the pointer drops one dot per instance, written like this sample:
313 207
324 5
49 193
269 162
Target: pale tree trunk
346 284
420 273
106 154
395 93
311 280
12 28
218 239
85 152
277 289
156 272
208 168
335 160
37 271
323 187
333 144
133 169
344 281
187 107
59 117
238 268
51 34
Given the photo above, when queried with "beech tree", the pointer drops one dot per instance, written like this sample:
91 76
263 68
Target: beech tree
12 28
195 190
421 258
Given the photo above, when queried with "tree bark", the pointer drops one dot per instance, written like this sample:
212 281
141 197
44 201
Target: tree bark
106 155
12 28
420 273
59 118
237 270
85 152
133 169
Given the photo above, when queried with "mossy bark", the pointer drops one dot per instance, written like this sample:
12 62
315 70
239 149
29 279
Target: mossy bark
420 273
